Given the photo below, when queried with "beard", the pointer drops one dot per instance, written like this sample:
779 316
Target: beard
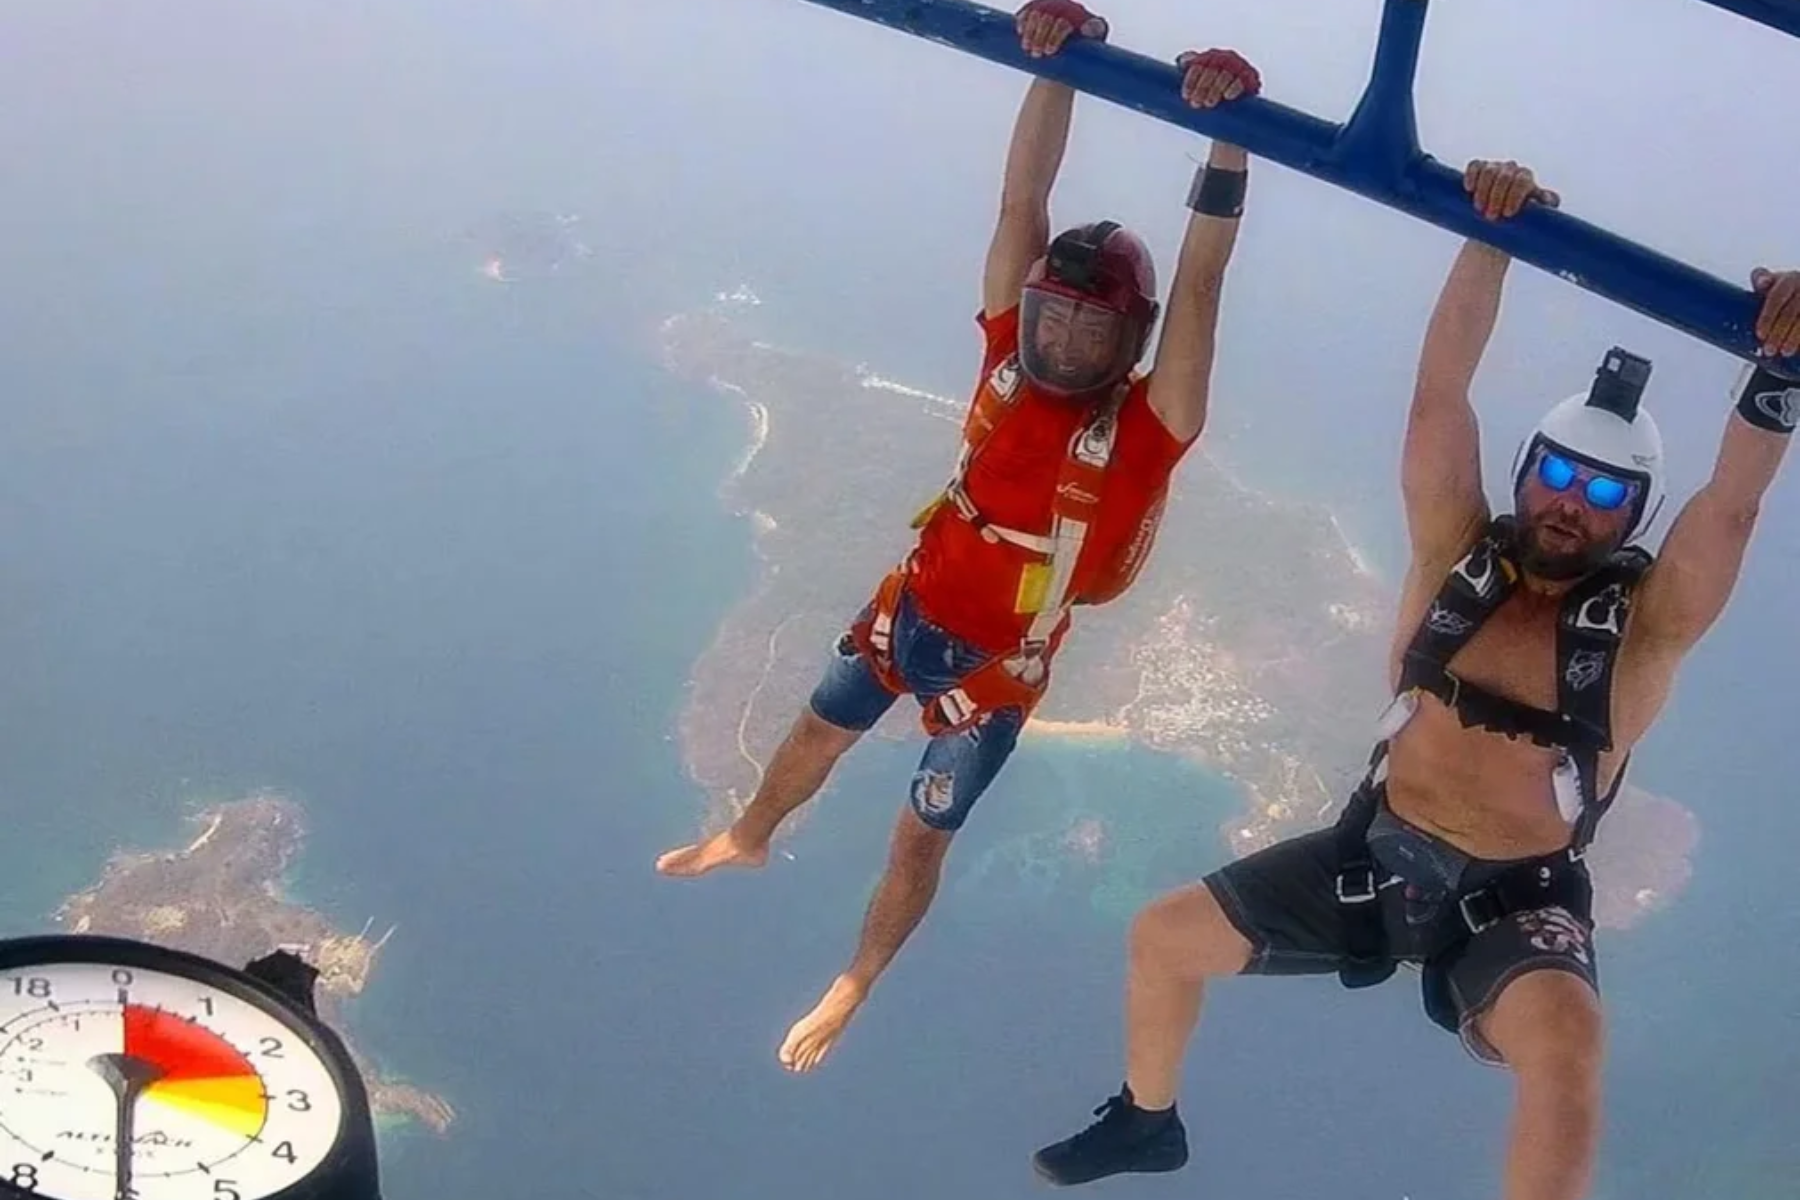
1559 566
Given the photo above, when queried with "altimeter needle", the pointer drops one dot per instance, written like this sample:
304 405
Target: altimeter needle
128 1076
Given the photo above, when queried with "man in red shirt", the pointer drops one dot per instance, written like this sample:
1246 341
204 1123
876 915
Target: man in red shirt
1054 501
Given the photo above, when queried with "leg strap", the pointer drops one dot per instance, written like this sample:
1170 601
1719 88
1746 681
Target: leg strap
1017 680
996 684
1553 881
1366 951
873 632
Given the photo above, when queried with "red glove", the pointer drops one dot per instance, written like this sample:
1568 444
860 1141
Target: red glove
1229 61
1086 23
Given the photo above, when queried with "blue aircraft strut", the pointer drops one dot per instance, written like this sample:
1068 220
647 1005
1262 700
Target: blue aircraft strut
1376 154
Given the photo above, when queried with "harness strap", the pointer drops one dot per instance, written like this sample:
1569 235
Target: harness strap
998 683
1477 707
1367 957
1551 880
1003 680
873 632
1590 628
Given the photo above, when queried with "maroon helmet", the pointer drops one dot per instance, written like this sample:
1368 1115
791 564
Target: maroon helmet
1084 322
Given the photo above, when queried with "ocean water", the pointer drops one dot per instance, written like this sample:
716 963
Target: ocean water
329 513
437 561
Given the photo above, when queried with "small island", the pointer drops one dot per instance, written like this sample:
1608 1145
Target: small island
220 898
1254 642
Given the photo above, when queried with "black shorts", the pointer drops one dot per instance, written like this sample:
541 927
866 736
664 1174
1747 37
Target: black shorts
1284 900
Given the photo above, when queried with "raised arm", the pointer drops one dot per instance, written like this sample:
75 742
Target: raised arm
1040 135
1688 587
1181 374
1440 467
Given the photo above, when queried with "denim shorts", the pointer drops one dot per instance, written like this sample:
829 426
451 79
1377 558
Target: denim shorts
957 767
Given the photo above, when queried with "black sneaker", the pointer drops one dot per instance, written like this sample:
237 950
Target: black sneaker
1126 1138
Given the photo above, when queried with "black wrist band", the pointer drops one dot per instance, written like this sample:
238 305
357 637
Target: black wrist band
1770 402
1216 192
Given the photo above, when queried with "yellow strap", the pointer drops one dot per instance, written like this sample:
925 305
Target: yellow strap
1034 588
925 514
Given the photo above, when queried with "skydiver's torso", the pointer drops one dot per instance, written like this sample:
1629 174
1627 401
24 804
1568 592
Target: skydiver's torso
1486 793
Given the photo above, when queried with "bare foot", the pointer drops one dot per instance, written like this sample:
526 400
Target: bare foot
719 850
813 1035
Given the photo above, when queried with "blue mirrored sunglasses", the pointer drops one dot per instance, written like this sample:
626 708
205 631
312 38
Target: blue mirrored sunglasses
1603 491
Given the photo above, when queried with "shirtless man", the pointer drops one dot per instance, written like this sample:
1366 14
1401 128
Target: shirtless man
969 622
1532 652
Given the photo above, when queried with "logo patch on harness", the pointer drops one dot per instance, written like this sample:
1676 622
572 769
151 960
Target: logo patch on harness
1004 378
1585 669
1603 612
1479 569
1093 445
1444 621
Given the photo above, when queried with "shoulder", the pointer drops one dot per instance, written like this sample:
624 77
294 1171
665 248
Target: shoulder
1479 565
1142 429
999 331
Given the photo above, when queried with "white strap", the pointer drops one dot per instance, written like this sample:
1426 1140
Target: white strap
956 706
1063 557
880 632
1037 543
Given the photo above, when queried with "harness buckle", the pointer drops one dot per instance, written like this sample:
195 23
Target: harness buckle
1470 905
1026 664
1455 690
1364 892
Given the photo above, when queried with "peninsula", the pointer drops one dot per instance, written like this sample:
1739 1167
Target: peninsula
220 897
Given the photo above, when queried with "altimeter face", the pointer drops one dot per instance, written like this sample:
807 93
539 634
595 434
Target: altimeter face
120 1081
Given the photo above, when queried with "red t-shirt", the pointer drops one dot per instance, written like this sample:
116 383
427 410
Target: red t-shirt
968 585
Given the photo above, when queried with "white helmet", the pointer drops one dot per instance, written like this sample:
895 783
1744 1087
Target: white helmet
1605 428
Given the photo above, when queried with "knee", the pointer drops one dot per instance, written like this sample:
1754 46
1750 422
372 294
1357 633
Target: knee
1186 934
918 849
1570 1051
1552 1035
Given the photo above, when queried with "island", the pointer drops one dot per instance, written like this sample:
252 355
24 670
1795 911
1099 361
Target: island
511 247
1254 642
220 897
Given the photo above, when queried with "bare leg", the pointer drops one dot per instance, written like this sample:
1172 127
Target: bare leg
800 766
1177 941
1549 1028
907 887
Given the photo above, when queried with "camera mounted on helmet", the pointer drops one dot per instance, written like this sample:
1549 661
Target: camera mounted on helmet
1605 439
1085 320
1619 383
1074 257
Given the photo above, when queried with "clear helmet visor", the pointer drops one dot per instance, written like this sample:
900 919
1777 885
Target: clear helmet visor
1069 345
